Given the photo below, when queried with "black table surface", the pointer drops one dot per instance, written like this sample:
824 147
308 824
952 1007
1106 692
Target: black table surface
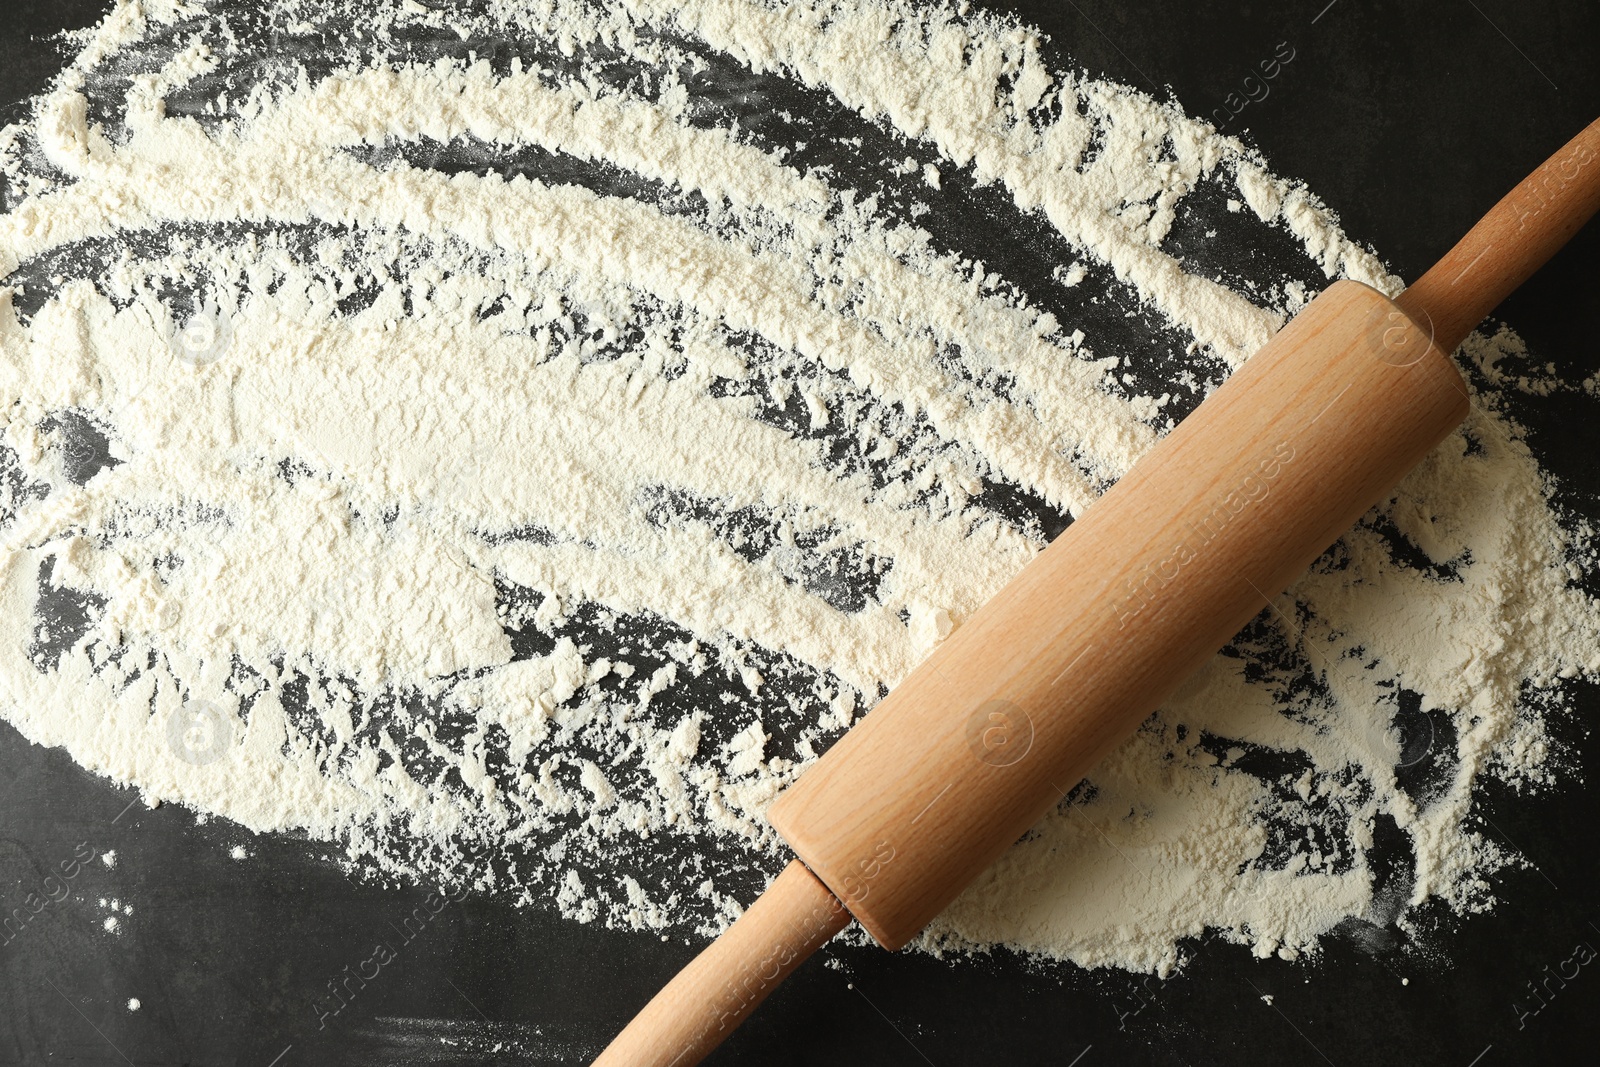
1410 121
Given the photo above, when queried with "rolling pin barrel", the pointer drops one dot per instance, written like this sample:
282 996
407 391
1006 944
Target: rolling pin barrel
1027 695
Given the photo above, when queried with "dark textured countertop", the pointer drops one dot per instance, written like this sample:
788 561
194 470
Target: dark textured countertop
1409 121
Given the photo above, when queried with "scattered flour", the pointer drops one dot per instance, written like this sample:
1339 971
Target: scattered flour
502 448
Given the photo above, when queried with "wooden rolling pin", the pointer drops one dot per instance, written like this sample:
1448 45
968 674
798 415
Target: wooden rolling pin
1022 700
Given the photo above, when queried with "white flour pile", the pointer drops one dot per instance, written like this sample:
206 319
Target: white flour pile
512 444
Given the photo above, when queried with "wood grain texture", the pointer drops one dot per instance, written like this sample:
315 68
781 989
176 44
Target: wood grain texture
1516 237
1027 695
710 997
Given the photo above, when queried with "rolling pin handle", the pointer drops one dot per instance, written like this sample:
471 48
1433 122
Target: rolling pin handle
709 998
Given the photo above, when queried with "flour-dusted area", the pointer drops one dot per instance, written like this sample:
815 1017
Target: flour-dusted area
511 443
